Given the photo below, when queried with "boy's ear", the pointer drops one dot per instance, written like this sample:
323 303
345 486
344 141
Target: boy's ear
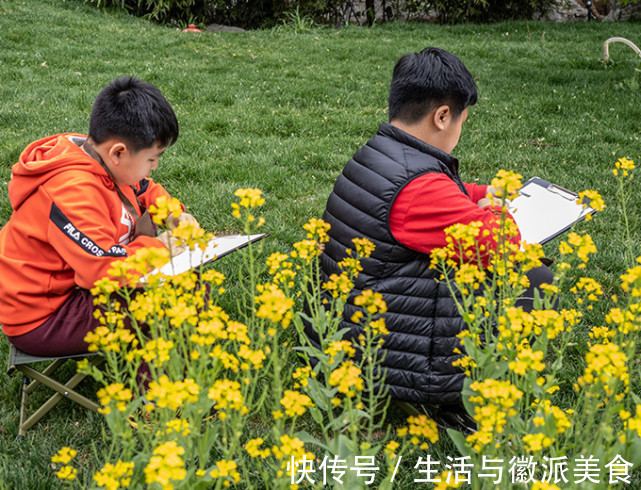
441 116
116 151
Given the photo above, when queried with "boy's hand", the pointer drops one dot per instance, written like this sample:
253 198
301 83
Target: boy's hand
173 222
490 201
170 242
492 190
494 200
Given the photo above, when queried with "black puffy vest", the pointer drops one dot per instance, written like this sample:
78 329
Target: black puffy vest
422 317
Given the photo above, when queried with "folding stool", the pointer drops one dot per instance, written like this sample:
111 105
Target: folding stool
24 363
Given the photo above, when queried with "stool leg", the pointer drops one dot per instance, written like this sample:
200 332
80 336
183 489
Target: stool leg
48 371
23 399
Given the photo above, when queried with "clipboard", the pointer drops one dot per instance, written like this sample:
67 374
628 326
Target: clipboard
216 248
544 210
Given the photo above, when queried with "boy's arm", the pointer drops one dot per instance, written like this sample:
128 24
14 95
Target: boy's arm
82 230
149 191
431 203
476 191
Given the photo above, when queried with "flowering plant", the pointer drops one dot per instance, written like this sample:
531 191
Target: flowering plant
515 361
195 395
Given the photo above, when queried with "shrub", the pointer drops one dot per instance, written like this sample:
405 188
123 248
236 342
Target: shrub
250 14
269 13
480 11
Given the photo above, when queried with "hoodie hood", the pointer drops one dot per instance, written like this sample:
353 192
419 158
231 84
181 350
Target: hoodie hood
45 158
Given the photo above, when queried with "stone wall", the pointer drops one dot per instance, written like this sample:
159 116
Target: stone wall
564 11
619 13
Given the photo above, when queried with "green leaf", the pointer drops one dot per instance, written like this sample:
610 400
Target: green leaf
459 441
635 452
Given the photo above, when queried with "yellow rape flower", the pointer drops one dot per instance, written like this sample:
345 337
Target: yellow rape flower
507 184
213 276
364 247
191 235
103 338
593 199
129 270
494 402
371 301
633 423
536 442
172 394
317 230
302 375
378 327
604 334
606 367
466 363
277 260
461 237
624 164
67 473
631 281
256 357
295 403
625 320
352 265
306 250
337 346
347 379
157 350
176 426
527 360
547 411
290 446
390 449
550 320
581 245
338 285
116 392
114 476
64 455
469 274
253 448
163 208
591 289
249 198
540 485
166 465
421 427
229 361
447 479
228 470
227 395
273 304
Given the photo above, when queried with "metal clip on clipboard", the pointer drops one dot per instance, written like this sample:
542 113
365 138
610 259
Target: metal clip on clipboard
564 193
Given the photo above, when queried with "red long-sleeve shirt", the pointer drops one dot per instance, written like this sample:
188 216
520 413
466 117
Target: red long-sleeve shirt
430 203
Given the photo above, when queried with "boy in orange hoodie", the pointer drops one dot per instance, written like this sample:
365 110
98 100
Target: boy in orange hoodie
79 203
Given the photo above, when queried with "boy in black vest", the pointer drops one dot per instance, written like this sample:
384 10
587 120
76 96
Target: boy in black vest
402 190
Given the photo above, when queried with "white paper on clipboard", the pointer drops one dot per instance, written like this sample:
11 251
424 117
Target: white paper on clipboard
216 248
543 210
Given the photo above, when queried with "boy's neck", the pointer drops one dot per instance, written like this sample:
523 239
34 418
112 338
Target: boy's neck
93 148
421 131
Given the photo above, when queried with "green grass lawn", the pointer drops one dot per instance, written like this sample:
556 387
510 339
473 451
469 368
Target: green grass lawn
283 111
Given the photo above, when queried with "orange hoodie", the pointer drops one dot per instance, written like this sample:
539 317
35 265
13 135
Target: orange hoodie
68 225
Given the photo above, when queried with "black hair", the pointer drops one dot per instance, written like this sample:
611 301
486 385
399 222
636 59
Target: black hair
134 111
425 80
